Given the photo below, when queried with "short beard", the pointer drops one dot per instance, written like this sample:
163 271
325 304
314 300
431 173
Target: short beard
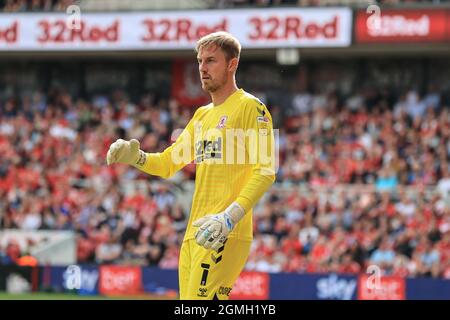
213 87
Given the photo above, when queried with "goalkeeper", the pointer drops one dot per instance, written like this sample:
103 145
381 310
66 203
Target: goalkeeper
219 232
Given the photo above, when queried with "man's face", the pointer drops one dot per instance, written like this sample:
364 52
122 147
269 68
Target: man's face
215 70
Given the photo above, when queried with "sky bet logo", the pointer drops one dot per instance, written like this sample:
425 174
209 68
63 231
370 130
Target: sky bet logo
207 149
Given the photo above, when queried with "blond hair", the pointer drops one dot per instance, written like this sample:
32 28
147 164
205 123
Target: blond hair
224 40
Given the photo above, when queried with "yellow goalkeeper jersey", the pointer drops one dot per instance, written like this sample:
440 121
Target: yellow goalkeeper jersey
232 145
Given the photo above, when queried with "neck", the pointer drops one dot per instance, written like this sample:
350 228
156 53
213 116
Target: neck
219 96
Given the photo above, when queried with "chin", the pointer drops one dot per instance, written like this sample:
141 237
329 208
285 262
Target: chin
209 88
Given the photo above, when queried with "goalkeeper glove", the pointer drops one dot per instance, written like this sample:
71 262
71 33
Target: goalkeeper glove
214 228
126 152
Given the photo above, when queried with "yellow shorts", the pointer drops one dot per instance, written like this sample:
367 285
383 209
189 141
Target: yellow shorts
210 275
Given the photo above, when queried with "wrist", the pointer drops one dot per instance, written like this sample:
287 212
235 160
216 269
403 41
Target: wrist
235 212
141 159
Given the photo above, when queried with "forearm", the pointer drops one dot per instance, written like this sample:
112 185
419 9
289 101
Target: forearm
155 164
257 185
214 229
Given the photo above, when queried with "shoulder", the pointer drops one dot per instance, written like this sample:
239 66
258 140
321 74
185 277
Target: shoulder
253 105
254 112
202 110
250 99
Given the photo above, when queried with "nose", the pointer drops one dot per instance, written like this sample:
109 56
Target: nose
202 67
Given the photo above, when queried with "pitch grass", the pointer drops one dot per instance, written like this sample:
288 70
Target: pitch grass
68 296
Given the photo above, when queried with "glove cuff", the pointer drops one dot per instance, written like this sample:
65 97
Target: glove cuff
235 211
142 158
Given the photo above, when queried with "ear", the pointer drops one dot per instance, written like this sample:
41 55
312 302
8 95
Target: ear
233 64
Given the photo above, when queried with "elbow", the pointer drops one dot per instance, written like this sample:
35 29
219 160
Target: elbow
167 175
269 174
273 177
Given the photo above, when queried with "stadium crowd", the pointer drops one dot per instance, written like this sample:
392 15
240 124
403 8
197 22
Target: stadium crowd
391 150
35 5
310 3
61 5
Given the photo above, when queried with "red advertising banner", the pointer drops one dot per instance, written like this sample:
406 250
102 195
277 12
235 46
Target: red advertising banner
120 280
186 85
387 288
251 286
400 26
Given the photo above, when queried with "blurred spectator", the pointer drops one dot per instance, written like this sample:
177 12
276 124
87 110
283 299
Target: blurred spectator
383 256
444 183
108 252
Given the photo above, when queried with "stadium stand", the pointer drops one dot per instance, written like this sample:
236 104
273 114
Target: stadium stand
364 178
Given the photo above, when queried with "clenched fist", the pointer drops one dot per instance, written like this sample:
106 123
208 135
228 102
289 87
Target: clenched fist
126 152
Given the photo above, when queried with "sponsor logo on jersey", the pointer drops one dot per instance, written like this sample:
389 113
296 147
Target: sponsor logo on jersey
262 119
263 125
208 149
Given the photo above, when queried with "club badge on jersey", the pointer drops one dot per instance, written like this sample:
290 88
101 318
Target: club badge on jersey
222 122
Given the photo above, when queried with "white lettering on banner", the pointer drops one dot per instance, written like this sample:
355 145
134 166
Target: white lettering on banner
255 28
334 288
89 280
397 25
80 279
72 277
119 280
253 285
388 290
